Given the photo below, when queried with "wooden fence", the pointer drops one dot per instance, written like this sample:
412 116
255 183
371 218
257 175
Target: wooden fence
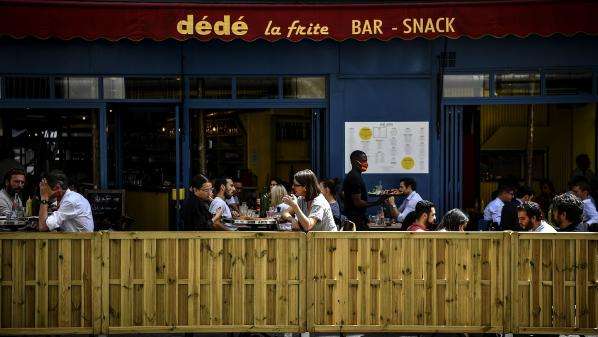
382 281
132 282
48 283
555 283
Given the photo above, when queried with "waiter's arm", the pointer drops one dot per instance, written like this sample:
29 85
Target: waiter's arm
360 203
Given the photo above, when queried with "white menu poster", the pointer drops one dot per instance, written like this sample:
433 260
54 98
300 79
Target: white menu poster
391 147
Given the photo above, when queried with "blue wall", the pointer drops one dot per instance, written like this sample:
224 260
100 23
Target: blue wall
371 81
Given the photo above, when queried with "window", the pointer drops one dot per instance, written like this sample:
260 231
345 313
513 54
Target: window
304 87
27 87
153 87
257 87
475 85
517 84
76 87
569 83
114 87
210 87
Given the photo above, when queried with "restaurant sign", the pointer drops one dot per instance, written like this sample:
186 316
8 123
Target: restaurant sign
294 22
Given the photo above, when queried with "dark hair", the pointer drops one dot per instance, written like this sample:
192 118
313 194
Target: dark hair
583 185
570 204
532 209
219 182
56 177
453 219
547 183
410 218
13 172
522 191
422 207
307 179
582 160
331 184
198 181
505 188
356 155
409 182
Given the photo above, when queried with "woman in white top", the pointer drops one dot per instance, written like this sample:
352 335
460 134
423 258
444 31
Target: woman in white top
312 211
277 192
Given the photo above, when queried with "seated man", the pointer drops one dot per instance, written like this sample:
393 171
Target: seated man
195 211
582 190
425 217
531 219
493 211
567 212
74 211
234 202
407 188
224 190
10 201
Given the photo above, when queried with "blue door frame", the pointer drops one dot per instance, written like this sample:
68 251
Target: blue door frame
451 155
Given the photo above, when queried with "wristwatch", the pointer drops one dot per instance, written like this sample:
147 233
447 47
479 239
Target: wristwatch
44 202
393 206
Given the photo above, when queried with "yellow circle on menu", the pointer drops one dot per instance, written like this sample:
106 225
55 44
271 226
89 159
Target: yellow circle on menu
407 163
365 133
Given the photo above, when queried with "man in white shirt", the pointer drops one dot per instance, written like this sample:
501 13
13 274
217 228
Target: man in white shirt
74 211
10 202
224 190
581 189
492 212
233 202
531 219
407 188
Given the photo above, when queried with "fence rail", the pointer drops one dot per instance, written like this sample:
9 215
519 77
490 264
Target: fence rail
133 282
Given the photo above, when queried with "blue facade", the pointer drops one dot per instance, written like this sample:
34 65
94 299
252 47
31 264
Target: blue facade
368 81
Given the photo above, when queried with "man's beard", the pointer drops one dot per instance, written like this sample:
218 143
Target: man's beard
13 191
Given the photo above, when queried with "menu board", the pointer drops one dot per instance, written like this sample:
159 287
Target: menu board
391 147
106 203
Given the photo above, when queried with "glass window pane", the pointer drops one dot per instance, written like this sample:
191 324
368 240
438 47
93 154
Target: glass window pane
153 87
114 88
210 87
569 83
76 87
257 87
27 87
476 85
517 84
304 87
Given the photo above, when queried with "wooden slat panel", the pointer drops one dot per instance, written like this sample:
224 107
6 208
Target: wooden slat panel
216 282
126 284
18 285
41 297
149 287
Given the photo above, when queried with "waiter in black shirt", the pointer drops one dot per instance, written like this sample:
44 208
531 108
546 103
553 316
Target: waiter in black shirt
355 195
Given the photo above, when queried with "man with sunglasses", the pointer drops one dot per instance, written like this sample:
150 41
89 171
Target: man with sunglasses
355 197
196 207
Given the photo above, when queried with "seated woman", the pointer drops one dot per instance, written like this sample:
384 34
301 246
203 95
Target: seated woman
454 221
311 209
329 189
277 192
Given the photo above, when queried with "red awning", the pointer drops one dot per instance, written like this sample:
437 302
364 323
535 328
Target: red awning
159 21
